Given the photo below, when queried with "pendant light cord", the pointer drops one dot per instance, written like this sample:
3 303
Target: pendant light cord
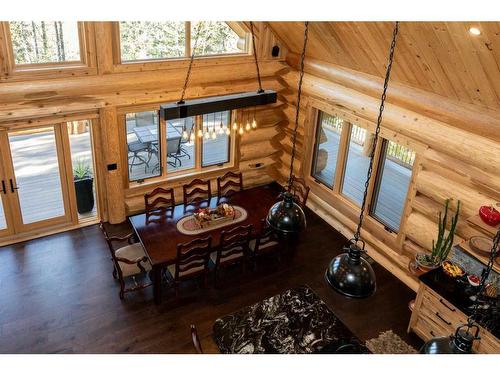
190 67
255 58
357 234
299 95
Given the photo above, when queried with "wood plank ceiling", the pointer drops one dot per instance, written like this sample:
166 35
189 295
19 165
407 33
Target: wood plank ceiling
439 57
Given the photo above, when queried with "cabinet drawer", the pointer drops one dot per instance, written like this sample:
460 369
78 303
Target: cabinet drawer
427 329
441 311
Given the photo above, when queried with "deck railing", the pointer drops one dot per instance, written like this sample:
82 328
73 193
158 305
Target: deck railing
400 154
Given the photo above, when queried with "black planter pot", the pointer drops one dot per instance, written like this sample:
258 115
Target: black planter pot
84 195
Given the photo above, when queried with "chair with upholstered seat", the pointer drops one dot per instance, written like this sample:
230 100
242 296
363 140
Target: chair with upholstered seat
196 192
267 242
191 262
228 184
300 190
233 248
129 261
159 198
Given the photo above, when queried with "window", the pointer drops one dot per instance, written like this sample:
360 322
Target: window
356 167
44 42
187 145
152 40
216 38
216 144
393 180
144 40
326 149
143 149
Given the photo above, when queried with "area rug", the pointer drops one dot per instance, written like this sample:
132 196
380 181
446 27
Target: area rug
389 343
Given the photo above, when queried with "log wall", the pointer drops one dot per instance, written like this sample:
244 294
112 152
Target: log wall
457 161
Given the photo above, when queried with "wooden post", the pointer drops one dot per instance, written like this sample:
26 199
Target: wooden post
113 178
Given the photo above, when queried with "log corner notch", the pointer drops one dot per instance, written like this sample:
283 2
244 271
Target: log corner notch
459 157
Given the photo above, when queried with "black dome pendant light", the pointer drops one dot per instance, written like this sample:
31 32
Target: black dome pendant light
349 273
286 217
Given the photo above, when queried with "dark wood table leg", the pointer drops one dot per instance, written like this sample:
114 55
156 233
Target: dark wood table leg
157 284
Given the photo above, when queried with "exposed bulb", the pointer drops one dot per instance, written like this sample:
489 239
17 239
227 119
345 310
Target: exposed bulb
207 135
185 134
228 132
214 135
221 130
254 124
248 127
241 131
200 133
235 126
191 138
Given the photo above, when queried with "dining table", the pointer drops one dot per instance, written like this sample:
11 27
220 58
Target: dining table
157 229
149 133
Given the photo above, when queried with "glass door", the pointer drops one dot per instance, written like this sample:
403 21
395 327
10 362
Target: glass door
6 225
37 183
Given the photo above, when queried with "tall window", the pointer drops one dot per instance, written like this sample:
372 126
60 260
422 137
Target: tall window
144 40
142 129
393 180
177 146
326 149
44 42
356 168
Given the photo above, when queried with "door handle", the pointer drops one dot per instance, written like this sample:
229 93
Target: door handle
12 187
4 189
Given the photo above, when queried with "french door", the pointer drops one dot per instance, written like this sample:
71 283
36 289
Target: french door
38 190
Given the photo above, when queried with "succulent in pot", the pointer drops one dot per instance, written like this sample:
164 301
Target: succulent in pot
84 186
441 247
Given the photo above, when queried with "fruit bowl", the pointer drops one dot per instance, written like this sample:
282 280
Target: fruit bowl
489 215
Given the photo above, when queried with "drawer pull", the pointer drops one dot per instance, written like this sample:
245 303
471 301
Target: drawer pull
444 320
445 305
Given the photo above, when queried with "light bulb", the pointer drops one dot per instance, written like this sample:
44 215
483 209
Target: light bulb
254 124
228 131
191 138
241 131
221 130
474 31
200 133
185 134
248 127
235 126
207 135
214 135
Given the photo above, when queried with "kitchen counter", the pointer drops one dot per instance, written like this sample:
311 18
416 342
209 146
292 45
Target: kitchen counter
295 321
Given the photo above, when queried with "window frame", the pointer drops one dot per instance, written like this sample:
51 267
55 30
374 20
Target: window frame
168 62
180 175
87 64
343 205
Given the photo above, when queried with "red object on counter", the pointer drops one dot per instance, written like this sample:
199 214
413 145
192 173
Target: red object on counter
489 215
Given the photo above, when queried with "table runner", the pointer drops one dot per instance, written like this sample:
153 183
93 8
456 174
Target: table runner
188 224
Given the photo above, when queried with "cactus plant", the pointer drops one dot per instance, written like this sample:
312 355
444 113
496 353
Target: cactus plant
441 247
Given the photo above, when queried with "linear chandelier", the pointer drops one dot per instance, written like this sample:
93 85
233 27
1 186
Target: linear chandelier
213 105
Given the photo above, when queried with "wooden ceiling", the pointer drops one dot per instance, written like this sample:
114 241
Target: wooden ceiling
439 57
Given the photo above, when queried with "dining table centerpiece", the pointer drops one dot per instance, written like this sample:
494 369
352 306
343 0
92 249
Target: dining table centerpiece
209 216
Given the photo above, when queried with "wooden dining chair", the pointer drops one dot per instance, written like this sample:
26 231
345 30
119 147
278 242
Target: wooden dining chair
159 198
196 339
191 262
300 190
129 261
233 248
267 242
196 191
229 183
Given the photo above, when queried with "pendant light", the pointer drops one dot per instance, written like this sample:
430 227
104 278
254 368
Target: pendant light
349 273
184 109
463 339
286 217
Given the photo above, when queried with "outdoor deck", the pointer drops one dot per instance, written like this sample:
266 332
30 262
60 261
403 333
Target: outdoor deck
391 197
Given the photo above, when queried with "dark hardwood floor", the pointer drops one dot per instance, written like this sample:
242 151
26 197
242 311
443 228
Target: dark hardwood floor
57 295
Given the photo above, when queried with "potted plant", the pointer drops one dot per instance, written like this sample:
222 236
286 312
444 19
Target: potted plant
84 187
441 247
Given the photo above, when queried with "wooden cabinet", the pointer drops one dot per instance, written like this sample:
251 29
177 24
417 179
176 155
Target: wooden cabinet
434 316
